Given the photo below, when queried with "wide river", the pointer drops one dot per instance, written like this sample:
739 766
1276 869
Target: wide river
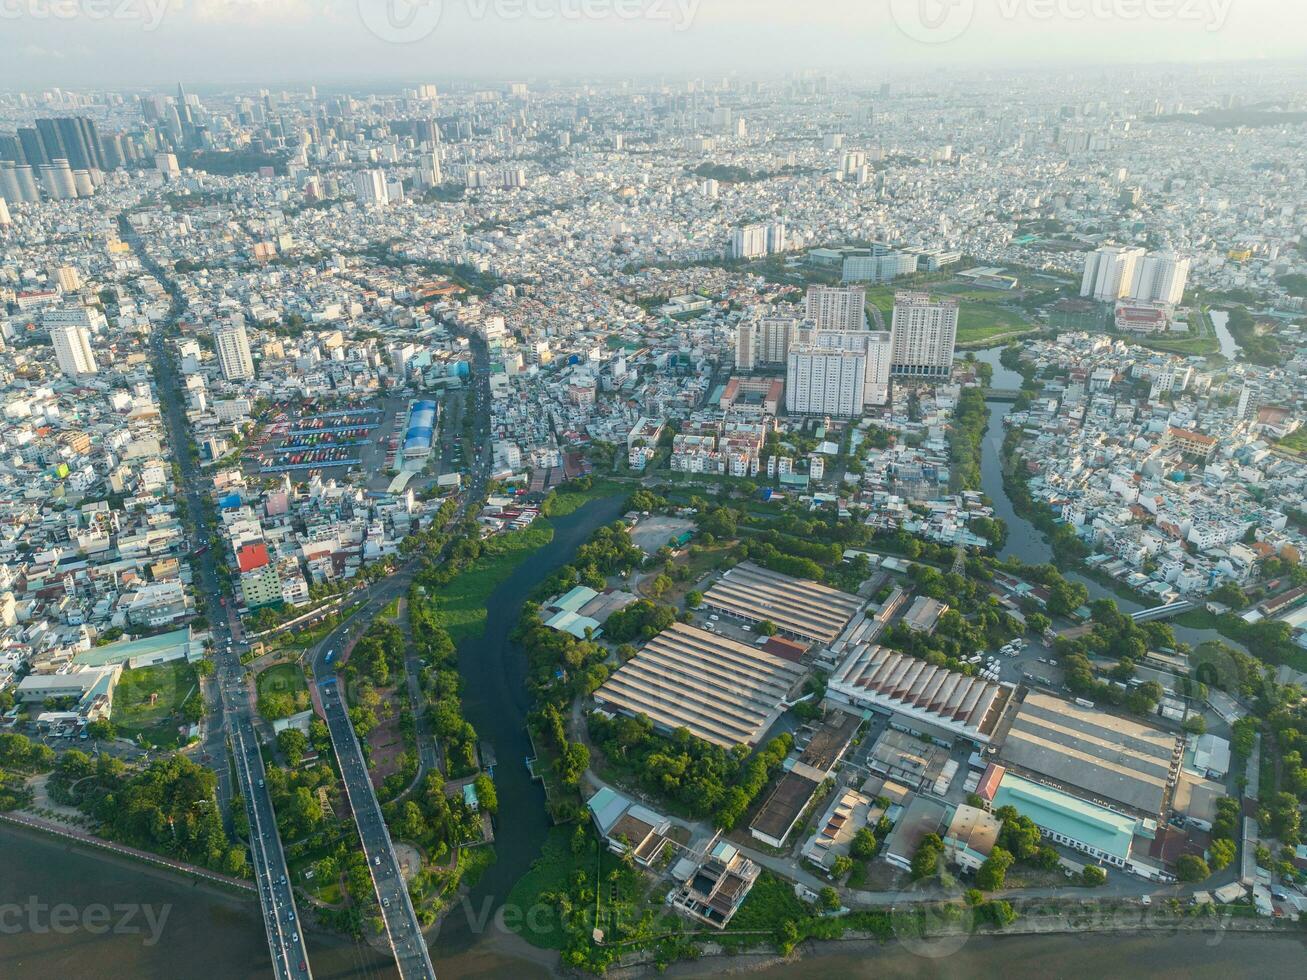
211 935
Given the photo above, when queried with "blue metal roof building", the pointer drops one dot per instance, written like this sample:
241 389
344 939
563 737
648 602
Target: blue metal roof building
421 428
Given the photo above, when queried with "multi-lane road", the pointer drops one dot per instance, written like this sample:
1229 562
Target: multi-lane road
228 698
401 925
230 712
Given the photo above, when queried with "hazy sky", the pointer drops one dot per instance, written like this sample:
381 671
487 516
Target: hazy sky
155 42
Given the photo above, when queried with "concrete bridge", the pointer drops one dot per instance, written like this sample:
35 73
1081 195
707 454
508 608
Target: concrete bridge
1002 394
1163 612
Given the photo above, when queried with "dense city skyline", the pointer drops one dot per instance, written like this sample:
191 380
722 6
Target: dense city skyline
640 487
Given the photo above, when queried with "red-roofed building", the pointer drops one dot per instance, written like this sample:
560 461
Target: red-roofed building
988 784
252 556
785 649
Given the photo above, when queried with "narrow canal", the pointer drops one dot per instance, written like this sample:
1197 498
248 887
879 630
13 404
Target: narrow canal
1024 540
496 702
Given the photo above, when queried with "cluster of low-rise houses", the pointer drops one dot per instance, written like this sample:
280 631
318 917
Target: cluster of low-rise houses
1166 469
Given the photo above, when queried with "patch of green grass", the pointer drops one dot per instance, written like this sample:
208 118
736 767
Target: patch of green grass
562 503
282 691
981 313
462 603
1295 442
169 684
976 334
1187 345
770 902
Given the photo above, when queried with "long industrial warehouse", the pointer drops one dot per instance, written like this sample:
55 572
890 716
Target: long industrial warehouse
1107 757
724 692
878 678
798 607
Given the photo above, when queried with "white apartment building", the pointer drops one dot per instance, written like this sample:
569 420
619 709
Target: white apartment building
233 346
749 242
878 268
876 345
837 307
1159 277
1109 272
923 333
764 341
370 186
72 349
825 381
776 237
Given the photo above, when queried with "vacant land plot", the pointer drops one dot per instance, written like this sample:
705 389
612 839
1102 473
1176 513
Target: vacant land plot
652 533
981 313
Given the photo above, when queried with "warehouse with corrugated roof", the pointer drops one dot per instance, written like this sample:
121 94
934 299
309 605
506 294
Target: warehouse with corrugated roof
798 607
724 692
930 699
1105 757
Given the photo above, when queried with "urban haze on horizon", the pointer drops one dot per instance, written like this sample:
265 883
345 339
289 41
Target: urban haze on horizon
126 43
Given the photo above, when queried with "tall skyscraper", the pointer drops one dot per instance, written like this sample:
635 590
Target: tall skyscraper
51 141
777 239
370 186
70 131
33 148
923 333
166 164
233 346
58 181
72 349
17 184
1109 272
837 307
429 171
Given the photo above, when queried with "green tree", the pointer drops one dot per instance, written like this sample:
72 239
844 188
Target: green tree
1220 853
929 858
863 845
993 872
1190 867
1093 875
486 795
999 912
293 744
